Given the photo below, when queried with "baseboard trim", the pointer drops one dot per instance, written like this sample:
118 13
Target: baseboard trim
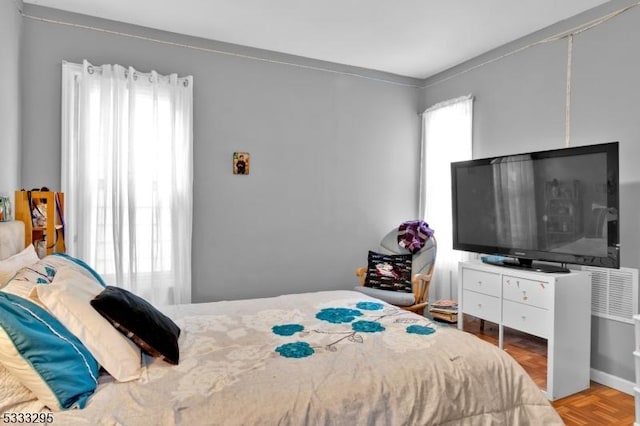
612 381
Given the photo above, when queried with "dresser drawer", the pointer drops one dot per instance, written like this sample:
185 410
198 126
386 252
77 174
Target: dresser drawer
481 306
481 282
526 318
530 292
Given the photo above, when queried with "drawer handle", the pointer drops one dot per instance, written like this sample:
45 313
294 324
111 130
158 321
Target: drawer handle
524 318
524 295
479 282
479 305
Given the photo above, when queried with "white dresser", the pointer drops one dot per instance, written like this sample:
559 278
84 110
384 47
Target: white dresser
636 359
554 306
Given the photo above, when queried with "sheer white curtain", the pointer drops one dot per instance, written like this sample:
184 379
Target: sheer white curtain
446 137
517 224
127 173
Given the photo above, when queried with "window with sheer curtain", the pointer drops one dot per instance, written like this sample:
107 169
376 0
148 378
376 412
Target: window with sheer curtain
446 138
127 177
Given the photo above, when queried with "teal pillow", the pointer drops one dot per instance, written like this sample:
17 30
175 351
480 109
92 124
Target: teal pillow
44 356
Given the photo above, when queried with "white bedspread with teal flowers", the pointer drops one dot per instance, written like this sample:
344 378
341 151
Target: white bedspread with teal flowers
326 358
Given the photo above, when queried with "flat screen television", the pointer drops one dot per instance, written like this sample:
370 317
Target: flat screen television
558 206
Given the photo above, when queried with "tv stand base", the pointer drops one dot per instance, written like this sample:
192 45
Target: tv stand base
525 264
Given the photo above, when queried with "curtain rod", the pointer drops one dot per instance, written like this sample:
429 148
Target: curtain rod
91 68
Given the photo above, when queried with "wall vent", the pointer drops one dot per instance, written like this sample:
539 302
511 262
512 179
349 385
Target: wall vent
614 293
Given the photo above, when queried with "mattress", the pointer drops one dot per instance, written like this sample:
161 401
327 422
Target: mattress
334 357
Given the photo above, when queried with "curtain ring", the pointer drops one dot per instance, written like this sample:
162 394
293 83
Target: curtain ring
90 69
185 83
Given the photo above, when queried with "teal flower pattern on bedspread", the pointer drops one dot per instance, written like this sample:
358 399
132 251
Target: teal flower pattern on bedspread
295 350
370 316
367 326
420 329
369 306
287 329
338 315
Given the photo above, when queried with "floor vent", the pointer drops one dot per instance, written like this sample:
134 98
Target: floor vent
614 293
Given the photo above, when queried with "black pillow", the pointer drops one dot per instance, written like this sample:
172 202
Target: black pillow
137 319
389 272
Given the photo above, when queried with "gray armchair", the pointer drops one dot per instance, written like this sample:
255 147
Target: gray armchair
422 267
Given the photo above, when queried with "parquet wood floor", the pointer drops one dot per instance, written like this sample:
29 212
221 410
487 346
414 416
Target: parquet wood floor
597 406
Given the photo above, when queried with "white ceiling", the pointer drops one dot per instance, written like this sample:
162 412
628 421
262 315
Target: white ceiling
415 38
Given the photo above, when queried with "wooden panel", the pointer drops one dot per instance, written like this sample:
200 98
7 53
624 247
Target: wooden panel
52 231
598 405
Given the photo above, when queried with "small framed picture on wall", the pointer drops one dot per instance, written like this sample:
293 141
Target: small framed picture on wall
241 163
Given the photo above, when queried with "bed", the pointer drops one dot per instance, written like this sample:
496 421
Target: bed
331 357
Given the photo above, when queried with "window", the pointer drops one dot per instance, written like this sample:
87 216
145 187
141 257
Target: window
446 137
127 177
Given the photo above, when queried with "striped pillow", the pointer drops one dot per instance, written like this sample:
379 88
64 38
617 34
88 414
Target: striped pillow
44 356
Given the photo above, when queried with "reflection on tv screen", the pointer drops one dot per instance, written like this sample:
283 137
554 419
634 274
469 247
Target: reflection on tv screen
551 204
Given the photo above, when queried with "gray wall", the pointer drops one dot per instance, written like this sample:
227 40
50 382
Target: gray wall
11 24
520 106
333 155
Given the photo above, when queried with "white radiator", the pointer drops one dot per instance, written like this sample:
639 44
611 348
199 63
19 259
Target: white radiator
614 293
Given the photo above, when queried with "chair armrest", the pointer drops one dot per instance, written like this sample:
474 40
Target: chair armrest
421 278
421 284
361 273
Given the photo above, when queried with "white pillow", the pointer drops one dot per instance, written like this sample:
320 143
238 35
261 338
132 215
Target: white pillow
13 264
68 299
23 281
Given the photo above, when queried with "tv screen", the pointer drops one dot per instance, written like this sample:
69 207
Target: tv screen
556 206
